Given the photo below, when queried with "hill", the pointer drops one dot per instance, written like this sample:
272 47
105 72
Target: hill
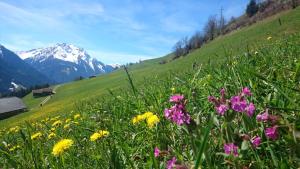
14 71
236 42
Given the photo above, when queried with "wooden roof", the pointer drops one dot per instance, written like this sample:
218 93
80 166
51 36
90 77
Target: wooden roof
10 104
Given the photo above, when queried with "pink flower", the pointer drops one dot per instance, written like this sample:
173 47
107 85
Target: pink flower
246 91
262 117
222 109
238 103
156 152
171 163
230 148
176 98
256 141
271 132
250 109
178 113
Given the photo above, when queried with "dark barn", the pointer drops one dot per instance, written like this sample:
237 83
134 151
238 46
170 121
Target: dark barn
42 92
11 106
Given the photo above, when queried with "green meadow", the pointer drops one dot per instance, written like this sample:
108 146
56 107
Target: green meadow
119 120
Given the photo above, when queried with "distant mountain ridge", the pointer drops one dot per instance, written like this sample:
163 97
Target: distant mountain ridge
64 62
14 71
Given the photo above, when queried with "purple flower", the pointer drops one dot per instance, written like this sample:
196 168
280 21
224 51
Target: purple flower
171 163
178 113
263 117
246 91
222 109
238 103
250 109
256 141
156 152
271 132
230 148
176 98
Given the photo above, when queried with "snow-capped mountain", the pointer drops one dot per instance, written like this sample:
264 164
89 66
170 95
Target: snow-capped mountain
16 74
64 62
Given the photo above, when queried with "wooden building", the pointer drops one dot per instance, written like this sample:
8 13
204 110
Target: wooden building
11 106
42 92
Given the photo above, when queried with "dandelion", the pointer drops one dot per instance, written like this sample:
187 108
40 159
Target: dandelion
230 148
52 129
77 116
36 136
51 135
156 152
60 147
67 126
68 120
272 132
256 141
137 119
147 115
152 120
171 163
98 135
57 123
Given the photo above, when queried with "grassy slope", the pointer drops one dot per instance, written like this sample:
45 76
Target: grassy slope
237 41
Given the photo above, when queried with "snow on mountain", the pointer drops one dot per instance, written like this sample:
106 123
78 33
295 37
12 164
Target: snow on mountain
64 62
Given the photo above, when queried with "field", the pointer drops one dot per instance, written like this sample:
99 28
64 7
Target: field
122 120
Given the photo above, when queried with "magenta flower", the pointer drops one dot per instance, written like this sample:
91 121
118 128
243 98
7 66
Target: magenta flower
176 98
263 117
256 141
230 148
271 132
246 91
156 152
238 103
222 109
177 113
171 163
250 109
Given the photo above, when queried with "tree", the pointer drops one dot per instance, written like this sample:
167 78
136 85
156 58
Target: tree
252 8
178 49
210 28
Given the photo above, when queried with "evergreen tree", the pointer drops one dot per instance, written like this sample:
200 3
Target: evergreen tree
252 8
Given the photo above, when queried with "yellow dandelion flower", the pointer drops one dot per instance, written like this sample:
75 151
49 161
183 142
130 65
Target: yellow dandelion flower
98 135
137 119
77 116
36 136
152 120
57 123
68 120
51 135
269 38
60 147
67 126
147 115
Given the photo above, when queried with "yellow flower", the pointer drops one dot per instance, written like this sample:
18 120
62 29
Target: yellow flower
173 89
14 148
36 136
147 115
137 119
67 126
14 129
68 120
77 116
152 120
60 147
57 123
51 135
52 129
269 38
98 135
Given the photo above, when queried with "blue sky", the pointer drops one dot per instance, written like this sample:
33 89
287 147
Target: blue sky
113 31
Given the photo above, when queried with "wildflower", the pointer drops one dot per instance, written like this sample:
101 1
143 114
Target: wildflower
265 117
14 148
98 135
222 109
173 89
271 132
250 109
77 116
51 135
256 141
152 120
57 123
246 91
269 38
220 104
68 120
156 152
230 148
176 98
14 129
146 115
67 126
137 119
52 129
60 147
238 103
36 136
171 163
